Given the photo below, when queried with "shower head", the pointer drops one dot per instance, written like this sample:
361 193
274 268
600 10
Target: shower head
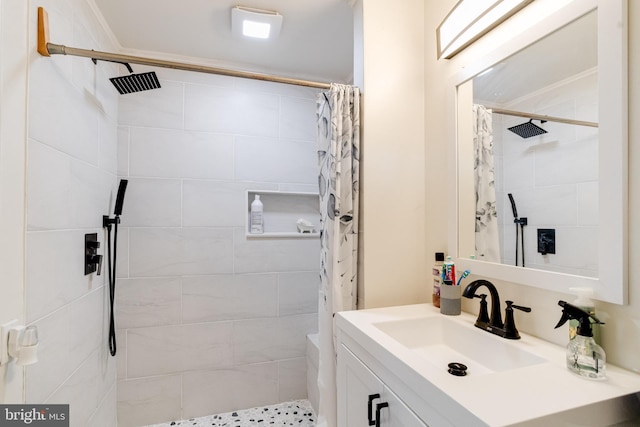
135 82
120 197
513 206
528 129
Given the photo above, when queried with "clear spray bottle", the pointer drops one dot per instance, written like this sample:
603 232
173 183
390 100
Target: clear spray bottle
584 356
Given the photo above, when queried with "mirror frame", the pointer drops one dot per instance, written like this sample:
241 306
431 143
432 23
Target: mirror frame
611 285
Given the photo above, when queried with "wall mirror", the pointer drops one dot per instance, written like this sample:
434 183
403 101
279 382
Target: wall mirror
540 155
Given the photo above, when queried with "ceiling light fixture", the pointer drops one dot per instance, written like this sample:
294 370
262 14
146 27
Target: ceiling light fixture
471 19
256 23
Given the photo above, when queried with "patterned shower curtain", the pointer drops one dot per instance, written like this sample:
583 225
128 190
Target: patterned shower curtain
338 113
487 236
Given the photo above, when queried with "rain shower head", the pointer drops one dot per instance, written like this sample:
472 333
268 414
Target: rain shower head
135 82
528 129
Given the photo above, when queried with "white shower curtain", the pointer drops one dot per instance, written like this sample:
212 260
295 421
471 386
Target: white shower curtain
338 113
487 235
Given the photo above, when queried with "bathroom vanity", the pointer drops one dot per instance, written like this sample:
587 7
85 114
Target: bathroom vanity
393 371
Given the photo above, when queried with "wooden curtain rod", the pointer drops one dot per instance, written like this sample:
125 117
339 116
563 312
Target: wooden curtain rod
45 48
542 117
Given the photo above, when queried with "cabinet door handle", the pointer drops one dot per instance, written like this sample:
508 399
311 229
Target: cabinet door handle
379 407
372 397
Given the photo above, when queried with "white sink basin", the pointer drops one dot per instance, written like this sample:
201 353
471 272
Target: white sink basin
441 341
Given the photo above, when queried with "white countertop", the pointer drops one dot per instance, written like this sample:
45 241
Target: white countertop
497 399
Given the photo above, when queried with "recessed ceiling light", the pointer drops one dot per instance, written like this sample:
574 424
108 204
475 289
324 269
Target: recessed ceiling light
256 23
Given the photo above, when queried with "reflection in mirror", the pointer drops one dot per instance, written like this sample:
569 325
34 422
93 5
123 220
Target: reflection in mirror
535 171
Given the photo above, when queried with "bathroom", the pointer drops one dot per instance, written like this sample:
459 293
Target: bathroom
40 229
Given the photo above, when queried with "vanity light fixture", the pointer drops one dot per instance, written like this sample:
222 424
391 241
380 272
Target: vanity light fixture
471 19
256 23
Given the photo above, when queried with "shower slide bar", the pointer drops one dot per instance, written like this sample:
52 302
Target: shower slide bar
542 117
45 48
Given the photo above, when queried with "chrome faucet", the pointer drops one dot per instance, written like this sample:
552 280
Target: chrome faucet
494 323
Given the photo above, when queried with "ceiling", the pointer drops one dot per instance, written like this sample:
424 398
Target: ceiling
316 41
565 53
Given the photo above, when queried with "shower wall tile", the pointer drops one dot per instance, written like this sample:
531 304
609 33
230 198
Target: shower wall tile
292 379
567 163
153 203
262 340
123 151
107 413
108 159
64 192
55 271
244 387
180 251
154 108
122 269
172 349
293 112
121 344
588 208
265 255
298 293
88 325
228 297
549 205
149 400
277 89
84 389
217 204
173 154
271 160
149 302
53 367
224 110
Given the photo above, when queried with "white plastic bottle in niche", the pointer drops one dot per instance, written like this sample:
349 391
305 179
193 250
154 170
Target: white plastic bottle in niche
256 217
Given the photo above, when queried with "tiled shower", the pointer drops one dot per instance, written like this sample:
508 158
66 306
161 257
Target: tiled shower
208 320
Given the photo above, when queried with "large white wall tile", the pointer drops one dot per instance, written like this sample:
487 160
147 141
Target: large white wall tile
298 293
294 123
271 160
178 154
226 390
107 413
292 379
171 349
228 297
217 204
548 205
567 163
153 203
216 109
158 108
267 255
149 400
588 204
176 251
63 192
87 325
262 340
122 261
123 151
55 271
148 302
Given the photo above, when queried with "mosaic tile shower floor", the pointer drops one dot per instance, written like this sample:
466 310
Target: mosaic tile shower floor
295 413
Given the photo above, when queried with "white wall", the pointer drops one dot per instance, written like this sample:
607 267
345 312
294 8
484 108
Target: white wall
621 335
390 63
210 321
71 171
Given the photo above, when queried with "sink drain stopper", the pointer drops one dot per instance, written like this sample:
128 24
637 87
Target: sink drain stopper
457 369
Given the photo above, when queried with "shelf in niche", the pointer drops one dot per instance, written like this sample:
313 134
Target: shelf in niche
281 210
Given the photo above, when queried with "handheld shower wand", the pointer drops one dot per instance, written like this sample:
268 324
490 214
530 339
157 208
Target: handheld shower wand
108 223
520 223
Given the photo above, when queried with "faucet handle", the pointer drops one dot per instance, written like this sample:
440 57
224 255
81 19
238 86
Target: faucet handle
510 330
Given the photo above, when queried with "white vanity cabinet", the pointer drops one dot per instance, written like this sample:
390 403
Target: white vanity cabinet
364 400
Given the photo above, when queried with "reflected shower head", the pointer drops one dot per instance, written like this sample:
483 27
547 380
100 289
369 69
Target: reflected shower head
135 82
528 129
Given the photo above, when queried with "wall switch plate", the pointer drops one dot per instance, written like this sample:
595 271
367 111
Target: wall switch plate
546 241
4 340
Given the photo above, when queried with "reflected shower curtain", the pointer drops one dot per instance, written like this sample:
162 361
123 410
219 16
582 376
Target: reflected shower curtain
338 113
487 236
